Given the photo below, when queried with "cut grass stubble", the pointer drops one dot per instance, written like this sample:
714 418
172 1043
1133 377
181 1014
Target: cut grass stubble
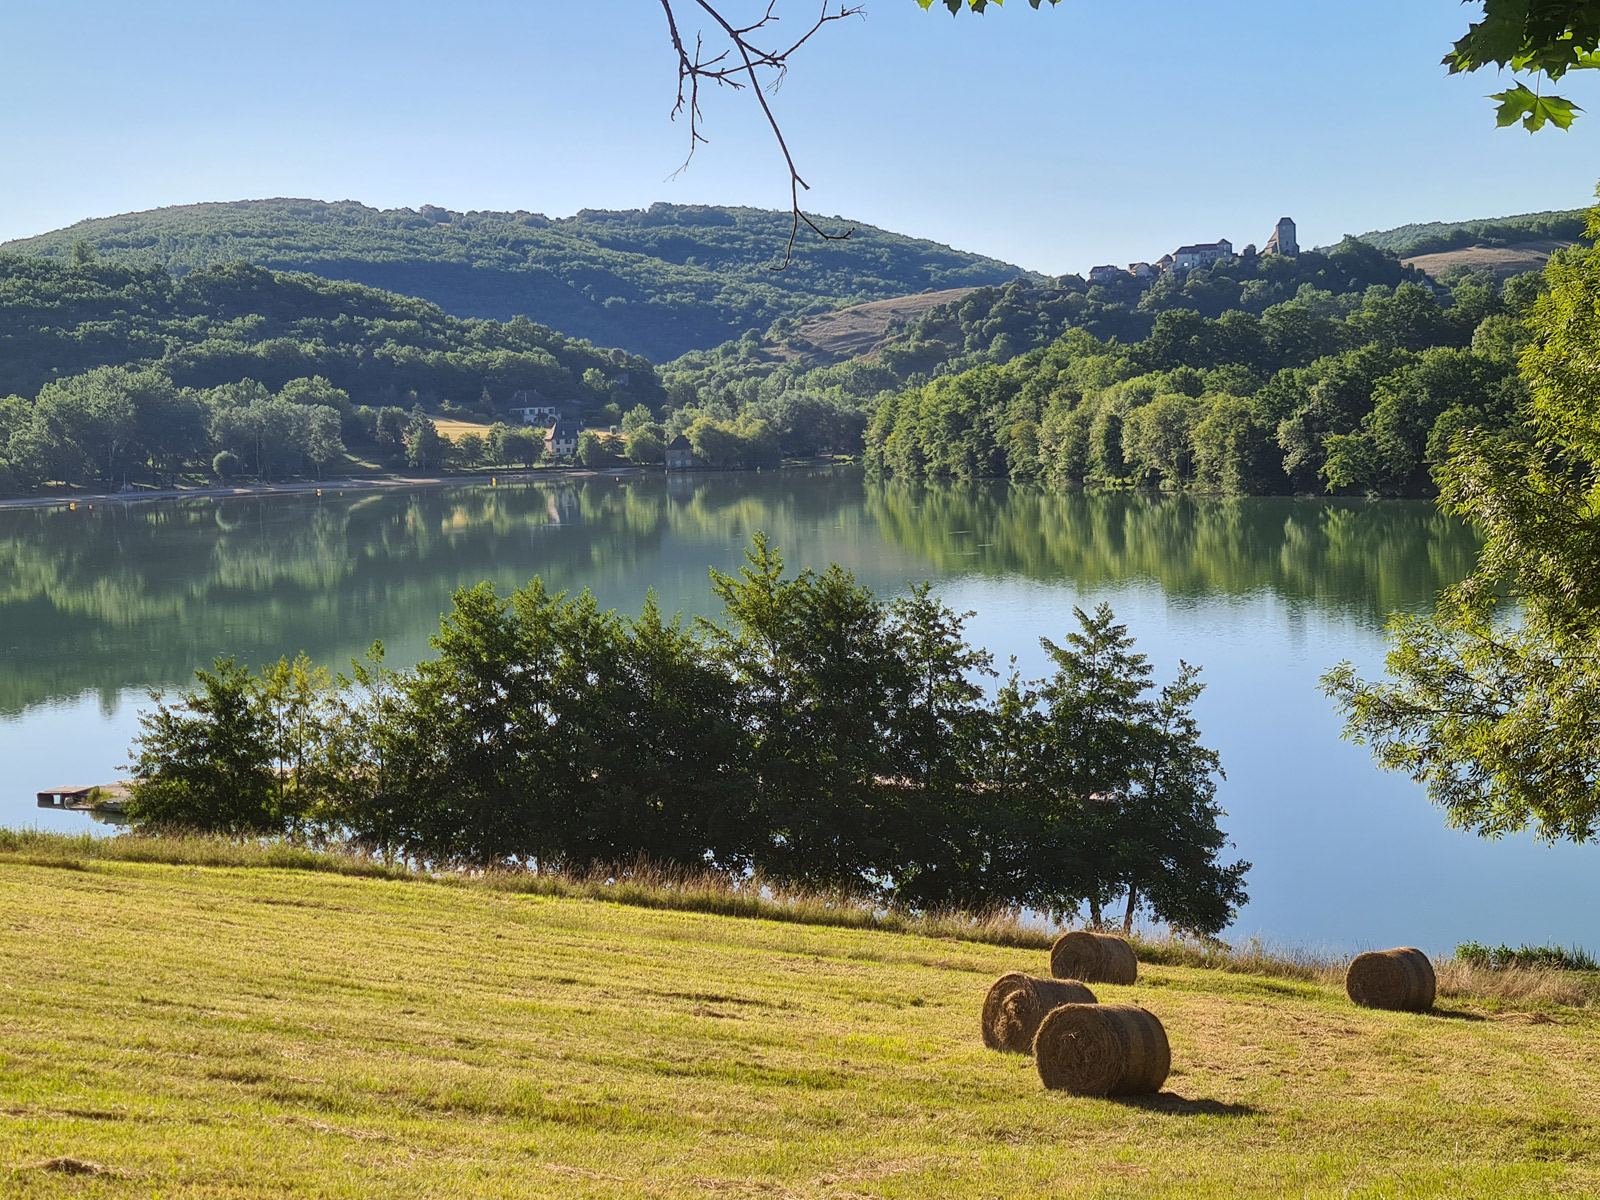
244 1031
644 885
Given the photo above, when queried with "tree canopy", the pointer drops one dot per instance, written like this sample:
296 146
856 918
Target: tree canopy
1542 38
816 734
1493 700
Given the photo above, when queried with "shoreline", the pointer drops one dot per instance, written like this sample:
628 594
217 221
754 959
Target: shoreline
298 487
359 483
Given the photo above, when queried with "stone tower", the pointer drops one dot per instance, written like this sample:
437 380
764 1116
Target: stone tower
1282 239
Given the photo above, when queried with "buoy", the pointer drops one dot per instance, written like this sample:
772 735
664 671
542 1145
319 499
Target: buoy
73 507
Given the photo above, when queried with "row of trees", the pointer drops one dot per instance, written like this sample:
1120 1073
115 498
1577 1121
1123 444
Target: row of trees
816 734
114 425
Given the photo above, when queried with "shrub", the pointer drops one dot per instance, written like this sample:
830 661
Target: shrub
1502 957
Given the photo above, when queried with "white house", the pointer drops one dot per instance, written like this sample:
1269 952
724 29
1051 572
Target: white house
1202 254
562 440
537 414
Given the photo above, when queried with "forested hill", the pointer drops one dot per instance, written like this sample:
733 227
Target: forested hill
1434 237
228 324
659 282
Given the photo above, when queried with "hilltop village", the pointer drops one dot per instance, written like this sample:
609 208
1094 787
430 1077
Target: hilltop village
1202 254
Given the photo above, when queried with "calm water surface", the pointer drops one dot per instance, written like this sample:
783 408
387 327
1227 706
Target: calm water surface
98 607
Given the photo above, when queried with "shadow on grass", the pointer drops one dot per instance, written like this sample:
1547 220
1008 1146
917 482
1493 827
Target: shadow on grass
1454 1014
1175 1105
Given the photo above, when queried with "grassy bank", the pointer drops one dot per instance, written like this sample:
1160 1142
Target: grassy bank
713 893
251 1030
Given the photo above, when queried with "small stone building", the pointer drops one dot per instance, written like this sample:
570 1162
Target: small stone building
680 454
1282 240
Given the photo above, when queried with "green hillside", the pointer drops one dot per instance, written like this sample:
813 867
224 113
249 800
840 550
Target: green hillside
657 282
224 324
1432 237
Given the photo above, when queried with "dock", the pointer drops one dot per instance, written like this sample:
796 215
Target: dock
95 798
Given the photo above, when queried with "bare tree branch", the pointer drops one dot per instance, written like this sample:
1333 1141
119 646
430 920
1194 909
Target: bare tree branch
760 67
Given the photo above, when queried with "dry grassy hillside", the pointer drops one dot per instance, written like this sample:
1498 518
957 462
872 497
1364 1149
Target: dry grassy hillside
1504 261
850 332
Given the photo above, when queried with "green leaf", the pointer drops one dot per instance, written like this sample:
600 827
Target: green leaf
1533 110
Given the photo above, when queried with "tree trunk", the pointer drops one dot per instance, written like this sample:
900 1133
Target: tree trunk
1095 918
1133 903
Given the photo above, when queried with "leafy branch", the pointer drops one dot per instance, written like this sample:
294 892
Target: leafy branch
1547 38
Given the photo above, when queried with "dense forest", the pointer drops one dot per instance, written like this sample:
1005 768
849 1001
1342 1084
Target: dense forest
657 282
1342 371
1361 393
118 372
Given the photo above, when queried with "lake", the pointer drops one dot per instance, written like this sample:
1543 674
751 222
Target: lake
99 606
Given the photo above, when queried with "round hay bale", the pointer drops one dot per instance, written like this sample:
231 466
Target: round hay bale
1102 1050
1401 980
1093 958
1017 1003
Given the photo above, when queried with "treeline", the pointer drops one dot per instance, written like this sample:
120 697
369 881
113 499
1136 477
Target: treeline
1356 394
658 282
817 734
112 427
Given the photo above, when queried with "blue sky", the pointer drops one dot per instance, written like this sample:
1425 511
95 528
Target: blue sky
1093 132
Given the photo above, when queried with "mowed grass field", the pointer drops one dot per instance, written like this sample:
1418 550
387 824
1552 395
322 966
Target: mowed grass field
231 1032
455 429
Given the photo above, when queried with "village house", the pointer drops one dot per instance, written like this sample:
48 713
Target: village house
1202 254
562 440
531 408
680 454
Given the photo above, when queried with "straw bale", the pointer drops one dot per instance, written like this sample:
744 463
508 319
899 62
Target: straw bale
1017 1003
1102 1050
1401 979
1093 958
